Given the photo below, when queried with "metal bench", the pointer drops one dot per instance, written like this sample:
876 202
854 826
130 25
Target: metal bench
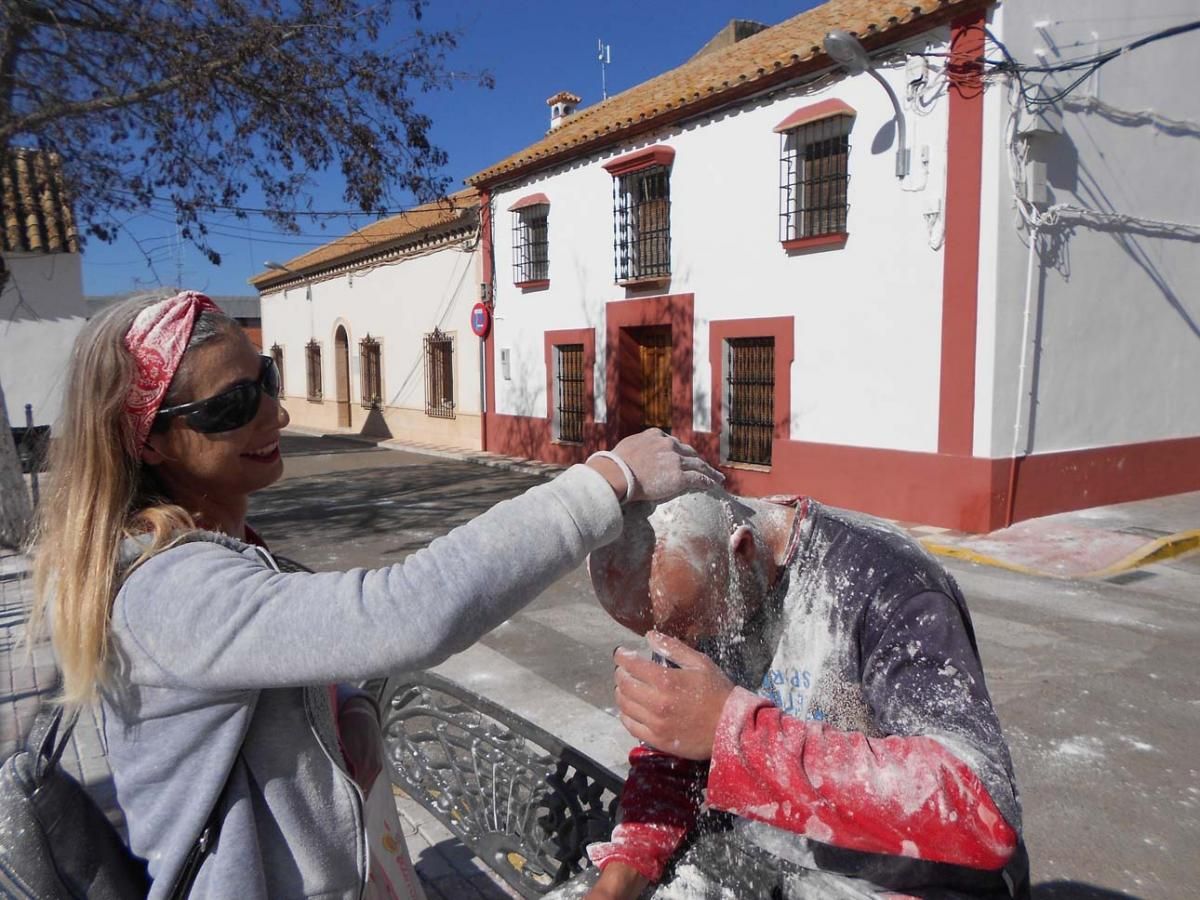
519 798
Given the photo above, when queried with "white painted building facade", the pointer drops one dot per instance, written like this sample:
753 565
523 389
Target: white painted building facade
42 311
901 385
387 290
42 308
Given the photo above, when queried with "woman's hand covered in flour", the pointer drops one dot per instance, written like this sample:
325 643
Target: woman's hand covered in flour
664 467
673 710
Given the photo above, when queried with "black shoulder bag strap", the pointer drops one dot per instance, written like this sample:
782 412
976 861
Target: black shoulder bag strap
212 828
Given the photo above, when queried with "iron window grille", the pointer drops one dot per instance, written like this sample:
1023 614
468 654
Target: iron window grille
571 397
531 243
439 374
312 366
750 400
371 368
277 355
642 224
814 179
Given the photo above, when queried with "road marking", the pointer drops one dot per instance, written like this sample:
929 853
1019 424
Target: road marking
572 720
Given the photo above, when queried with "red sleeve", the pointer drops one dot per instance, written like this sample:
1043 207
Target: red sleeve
658 807
904 796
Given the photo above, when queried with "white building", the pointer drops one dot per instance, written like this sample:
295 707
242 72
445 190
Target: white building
727 251
372 331
42 308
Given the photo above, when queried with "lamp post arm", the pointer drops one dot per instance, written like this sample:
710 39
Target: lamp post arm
901 130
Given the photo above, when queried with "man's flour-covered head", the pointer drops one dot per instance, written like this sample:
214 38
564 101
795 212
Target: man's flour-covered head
693 567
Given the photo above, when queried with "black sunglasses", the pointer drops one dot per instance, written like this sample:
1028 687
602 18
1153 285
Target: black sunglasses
226 411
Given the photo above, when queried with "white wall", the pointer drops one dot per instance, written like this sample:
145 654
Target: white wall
397 303
868 316
1118 353
41 312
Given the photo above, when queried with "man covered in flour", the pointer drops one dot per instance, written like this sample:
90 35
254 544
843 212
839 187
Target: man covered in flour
816 723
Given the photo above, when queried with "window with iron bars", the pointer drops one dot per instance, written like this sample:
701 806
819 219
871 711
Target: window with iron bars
439 375
277 355
814 179
750 399
312 367
371 367
572 400
642 224
531 244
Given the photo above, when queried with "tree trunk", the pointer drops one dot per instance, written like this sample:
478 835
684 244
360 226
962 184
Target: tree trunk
15 508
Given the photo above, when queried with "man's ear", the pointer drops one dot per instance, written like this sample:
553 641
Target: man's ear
743 545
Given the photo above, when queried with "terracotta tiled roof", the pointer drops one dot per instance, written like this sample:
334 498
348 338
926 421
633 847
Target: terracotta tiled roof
378 237
34 208
779 53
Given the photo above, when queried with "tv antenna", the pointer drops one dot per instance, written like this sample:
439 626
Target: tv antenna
604 54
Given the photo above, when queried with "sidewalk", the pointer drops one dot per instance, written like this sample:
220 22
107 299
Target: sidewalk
1095 543
448 870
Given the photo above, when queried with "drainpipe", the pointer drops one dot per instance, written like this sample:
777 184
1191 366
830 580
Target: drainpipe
1019 417
486 278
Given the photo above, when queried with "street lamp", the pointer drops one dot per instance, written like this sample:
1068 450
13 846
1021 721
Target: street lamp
846 50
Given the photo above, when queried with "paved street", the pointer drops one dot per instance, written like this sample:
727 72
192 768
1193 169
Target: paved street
1094 682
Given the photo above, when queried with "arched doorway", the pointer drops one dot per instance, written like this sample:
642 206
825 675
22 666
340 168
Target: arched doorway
341 367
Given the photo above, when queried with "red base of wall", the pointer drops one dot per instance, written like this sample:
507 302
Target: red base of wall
961 492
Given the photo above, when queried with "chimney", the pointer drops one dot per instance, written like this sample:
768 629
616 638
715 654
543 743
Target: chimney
561 106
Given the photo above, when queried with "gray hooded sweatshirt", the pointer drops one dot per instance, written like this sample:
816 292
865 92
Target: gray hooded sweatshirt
222 666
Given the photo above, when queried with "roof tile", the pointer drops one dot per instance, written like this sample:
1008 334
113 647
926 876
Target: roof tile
34 208
793 44
378 236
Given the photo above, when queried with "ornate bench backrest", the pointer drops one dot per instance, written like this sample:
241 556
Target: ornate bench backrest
523 801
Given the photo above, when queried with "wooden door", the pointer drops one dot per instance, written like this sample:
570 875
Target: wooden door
654 347
341 367
644 379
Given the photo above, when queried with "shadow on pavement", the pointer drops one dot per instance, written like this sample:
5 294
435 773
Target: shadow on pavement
401 509
1077 890
310 445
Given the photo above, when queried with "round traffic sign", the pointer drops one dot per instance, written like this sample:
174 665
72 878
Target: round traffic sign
481 319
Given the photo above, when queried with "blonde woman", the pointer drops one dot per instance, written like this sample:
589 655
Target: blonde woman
212 668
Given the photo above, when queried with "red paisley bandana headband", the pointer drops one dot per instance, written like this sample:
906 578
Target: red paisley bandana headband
157 339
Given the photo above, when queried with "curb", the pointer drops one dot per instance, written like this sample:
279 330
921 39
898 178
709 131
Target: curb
1164 548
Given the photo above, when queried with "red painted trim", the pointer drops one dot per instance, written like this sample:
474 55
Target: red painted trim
960 271
539 285
530 200
962 492
783 330
486 275
587 337
659 155
816 242
1076 479
675 310
826 109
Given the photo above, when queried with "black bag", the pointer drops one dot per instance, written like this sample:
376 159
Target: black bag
56 843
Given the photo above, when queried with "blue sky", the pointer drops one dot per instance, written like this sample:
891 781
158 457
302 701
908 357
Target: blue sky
533 49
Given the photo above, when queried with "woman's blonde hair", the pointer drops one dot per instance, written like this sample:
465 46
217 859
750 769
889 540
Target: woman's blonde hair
99 495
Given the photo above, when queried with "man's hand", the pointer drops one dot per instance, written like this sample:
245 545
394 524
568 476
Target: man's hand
362 741
673 710
618 882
